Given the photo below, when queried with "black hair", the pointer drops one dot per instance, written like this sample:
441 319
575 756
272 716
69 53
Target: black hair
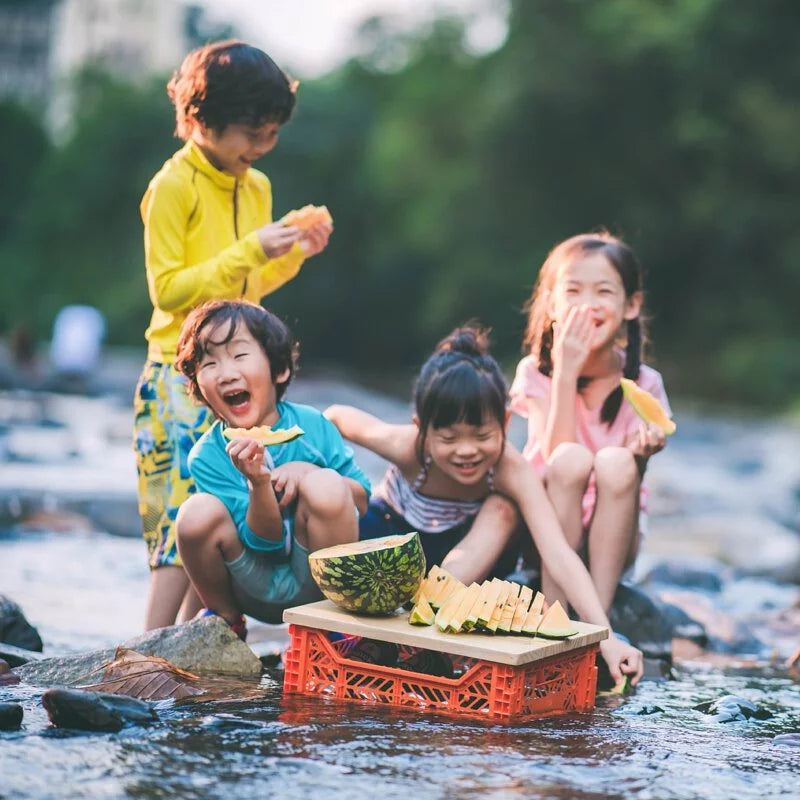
460 382
539 333
272 334
227 83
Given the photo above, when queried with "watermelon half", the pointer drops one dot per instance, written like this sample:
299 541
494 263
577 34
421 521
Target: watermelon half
375 576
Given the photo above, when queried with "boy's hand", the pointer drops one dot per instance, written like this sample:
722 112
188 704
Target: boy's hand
277 239
247 456
286 478
315 239
622 659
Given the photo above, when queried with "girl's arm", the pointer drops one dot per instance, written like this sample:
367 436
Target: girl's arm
395 443
517 479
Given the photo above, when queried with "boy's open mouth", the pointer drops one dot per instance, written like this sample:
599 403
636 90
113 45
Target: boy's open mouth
234 399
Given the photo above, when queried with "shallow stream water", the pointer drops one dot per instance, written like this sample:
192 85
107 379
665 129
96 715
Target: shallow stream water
89 595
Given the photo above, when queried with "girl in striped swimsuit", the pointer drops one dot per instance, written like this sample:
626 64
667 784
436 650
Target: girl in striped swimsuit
455 479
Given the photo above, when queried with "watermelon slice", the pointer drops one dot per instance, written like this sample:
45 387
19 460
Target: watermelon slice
646 406
556 624
265 435
421 613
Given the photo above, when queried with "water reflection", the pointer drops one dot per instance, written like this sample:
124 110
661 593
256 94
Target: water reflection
246 747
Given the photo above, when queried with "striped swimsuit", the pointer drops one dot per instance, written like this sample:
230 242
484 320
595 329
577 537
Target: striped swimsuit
398 506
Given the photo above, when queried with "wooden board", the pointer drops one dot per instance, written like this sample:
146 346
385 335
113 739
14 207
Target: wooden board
513 650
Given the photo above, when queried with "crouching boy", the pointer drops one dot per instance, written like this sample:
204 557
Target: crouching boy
245 536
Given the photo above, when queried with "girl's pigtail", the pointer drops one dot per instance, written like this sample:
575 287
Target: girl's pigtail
633 360
545 360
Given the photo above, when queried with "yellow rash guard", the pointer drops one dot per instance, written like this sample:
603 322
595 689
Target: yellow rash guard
200 243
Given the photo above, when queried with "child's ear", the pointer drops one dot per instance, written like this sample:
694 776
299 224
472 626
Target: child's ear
633 305
415 420
283 376
508 420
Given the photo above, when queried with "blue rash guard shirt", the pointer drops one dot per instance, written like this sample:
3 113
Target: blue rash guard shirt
213 472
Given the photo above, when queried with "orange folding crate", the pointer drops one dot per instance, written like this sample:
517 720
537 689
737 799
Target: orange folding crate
499 678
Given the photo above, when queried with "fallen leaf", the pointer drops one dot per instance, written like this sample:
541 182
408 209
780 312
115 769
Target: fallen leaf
143 677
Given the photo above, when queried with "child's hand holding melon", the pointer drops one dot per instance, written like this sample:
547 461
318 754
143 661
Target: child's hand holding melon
316 224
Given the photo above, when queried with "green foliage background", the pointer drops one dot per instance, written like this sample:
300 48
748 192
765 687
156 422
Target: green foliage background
675 123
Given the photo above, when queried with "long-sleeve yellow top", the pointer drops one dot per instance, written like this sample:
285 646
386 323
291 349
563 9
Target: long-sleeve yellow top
200 243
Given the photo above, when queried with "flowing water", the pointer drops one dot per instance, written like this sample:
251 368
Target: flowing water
89 595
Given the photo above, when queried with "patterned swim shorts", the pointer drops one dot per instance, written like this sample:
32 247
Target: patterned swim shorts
167 424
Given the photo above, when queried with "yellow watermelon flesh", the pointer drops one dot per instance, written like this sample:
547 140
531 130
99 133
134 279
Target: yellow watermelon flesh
422 613
646 406
556 624
265 435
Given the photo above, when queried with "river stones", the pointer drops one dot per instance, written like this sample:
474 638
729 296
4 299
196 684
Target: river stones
787 740
15 629
10 716
95 711
731 708
635 615
206 646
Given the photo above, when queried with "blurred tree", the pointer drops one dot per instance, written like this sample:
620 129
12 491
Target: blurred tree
82 235
450 176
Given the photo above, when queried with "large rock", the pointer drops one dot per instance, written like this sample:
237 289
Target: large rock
10 716
95 711
635 615
15 629
204 645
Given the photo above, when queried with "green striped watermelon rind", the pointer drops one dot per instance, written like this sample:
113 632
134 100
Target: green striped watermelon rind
376 582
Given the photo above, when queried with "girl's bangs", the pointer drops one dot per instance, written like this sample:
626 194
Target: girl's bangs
464 395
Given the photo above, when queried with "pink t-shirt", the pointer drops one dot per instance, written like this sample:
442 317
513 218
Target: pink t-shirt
590 430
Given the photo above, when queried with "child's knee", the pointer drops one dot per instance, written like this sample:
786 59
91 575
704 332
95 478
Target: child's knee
570 465
616 470
503 512
324 493
198 517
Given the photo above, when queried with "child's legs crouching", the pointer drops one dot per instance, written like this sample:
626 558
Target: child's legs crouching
568 471
207 538
614 530
326 513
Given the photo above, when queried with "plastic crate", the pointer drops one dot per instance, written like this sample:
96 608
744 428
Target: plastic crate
485 689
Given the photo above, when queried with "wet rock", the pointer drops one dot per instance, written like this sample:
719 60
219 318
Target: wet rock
731 708
636 616
682 626
15 656
94 711
787 740
646 711
726 634
684 575
10 716
204 645
15 629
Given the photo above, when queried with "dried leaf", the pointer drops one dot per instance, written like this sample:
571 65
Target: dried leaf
144 677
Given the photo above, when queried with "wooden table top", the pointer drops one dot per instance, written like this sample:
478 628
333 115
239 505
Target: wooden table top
515 649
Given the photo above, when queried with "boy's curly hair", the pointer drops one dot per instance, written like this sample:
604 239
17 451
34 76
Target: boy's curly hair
272 334
226 83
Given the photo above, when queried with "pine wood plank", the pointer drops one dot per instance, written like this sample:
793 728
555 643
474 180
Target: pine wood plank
513 650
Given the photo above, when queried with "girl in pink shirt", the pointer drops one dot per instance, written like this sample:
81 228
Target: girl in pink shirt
584 333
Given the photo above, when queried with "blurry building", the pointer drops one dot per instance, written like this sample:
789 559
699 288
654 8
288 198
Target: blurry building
43 43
